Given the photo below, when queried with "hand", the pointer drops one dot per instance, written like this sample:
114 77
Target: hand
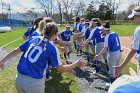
72 71
81 46
81 63
2 65
118 70
69 43
96 57
64 49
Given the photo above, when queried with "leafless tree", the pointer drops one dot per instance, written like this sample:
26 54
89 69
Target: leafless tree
32 12
80 8
114 6
59 4
47 5
67 5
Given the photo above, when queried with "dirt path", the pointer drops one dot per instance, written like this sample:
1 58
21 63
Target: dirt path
3 53
126 44
89 82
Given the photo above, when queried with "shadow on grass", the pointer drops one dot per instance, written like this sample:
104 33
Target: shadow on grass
59 83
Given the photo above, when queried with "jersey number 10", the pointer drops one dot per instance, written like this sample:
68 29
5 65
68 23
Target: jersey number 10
32 52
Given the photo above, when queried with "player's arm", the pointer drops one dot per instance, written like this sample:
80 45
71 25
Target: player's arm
56 61
91 37
63 49
70 68
134 48
24 37
12 54
62 43
101 53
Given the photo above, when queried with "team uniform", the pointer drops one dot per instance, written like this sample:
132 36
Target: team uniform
97 36
112 42
28 32
36 33
136 46
92 43
66 35
78 27
37 54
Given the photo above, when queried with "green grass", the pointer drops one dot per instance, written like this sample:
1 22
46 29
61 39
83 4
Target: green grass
124 30
61 83
10 36
7 79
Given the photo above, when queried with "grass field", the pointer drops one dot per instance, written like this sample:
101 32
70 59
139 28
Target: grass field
124 30
61 83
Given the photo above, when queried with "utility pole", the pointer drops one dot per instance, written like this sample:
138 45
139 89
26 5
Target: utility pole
2 11
9 9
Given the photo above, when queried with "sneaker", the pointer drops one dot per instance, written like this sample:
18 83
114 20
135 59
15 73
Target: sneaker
108 85
79 54
47 79
69 55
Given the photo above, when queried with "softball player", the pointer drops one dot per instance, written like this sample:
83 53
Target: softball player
135 47
66 35
92 43
98 36
78 26
112 45
38 52
32 29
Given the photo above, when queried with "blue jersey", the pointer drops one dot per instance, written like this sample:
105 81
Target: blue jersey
28 32
75 25
138 50
78 26
97 35
36 57
35 33
87 33
112 42
65 35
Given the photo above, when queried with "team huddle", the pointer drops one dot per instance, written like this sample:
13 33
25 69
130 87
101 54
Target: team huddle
40 51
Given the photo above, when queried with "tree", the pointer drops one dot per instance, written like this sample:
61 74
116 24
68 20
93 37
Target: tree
91 11
113 6
47 5
104 12
67 5
59 4
80 8
32 12
4 15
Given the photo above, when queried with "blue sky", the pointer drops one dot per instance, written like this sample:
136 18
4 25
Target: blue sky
19 5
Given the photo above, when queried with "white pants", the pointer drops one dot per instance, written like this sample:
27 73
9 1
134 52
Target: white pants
98 48
27 84
92 48
138 68
113 59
